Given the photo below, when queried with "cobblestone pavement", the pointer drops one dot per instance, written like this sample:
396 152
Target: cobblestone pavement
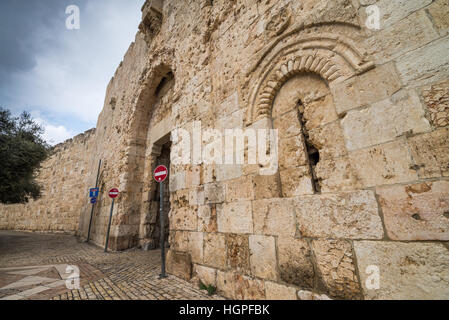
34 267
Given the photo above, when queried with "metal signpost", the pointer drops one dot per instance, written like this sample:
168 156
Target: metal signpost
160 174
113 193
93 194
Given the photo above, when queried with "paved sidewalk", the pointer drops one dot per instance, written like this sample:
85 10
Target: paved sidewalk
39 266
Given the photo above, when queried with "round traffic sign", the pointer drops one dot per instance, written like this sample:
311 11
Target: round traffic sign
113 193
160 173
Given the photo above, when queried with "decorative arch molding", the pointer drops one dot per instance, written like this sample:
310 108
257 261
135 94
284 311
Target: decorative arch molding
334 57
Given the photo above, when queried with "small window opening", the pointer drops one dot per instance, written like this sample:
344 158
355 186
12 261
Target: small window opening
313 154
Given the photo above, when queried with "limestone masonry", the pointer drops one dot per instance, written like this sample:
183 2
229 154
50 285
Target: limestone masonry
359 205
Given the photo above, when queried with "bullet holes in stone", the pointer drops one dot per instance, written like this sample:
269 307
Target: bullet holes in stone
313 154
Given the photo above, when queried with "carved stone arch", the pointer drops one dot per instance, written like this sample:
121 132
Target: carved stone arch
334 57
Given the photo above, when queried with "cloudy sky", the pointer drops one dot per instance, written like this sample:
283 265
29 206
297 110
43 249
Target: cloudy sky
60 75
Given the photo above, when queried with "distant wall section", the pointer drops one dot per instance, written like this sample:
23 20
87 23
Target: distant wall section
63 178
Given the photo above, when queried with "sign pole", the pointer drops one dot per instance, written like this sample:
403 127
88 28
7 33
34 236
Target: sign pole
161 218
109 227
160 174
93 204
113 193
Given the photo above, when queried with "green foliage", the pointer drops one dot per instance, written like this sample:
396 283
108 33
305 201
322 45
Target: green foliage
21 152
210 288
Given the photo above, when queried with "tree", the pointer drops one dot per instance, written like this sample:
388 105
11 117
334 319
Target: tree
22 149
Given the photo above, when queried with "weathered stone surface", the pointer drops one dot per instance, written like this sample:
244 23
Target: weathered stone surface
394 11
238 252
275 291
214 193
417 211
184 219
329 140
296 181
335 263
266 187
308 295
425 65
240 287
293 152
239 189
351 215
207 218
436 99
385 164
295 262
407 270
263 257
207 276
235 217
430 154
275 217
336 175
439 12
179 264
215 250
384 121
191 242
391 42
373 86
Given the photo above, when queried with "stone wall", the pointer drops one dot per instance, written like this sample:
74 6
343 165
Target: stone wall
362 116
63 178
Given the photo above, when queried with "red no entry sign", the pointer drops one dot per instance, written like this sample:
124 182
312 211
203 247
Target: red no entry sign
113 193
160 173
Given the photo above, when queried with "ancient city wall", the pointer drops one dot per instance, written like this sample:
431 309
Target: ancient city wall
63 178
362 186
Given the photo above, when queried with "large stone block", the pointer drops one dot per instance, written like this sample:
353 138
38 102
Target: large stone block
238 252
296 181
266 187
240 287
407 270
394 11
235 217
329 140
416 212
372 86
292 152
179 264
263 257
295 262
425 65
384 164
430 153
439 10
336 175
184 219
335 263
350 215
436 99
384 121
214 193
393 41
215 250
206 275
207 218
276 291
239 189
275 217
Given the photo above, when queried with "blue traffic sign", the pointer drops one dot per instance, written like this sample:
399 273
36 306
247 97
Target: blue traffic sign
93 192
93 200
